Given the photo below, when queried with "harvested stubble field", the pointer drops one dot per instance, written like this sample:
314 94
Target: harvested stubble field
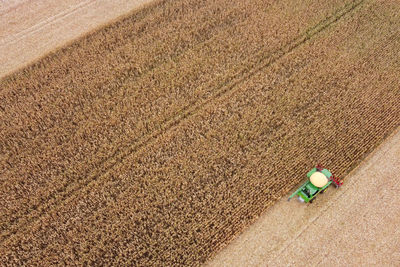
158 138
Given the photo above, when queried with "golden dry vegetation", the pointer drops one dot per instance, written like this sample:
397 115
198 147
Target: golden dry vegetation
157 138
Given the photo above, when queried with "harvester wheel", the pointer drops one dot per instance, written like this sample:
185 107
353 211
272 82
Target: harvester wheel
311 201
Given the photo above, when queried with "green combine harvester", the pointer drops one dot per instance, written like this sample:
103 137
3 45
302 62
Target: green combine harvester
319 179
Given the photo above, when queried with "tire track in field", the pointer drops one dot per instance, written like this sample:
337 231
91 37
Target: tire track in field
63 188
390 112
48 21
259 62
88 190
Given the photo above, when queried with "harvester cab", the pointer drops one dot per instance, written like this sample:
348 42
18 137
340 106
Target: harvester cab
318 181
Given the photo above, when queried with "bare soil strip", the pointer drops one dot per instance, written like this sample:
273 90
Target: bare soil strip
353 226
29 29
158 138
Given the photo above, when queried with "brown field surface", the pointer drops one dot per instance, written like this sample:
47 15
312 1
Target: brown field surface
159 137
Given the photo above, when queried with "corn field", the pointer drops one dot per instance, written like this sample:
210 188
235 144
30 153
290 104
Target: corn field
156 139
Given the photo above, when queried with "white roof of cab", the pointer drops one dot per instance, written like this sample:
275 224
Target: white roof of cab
318 179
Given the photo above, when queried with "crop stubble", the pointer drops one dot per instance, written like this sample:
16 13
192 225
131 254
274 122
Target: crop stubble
185 182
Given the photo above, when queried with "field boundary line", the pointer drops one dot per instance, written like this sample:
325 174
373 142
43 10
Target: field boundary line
120 155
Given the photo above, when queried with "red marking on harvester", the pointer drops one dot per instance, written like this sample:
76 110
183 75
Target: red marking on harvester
337 180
